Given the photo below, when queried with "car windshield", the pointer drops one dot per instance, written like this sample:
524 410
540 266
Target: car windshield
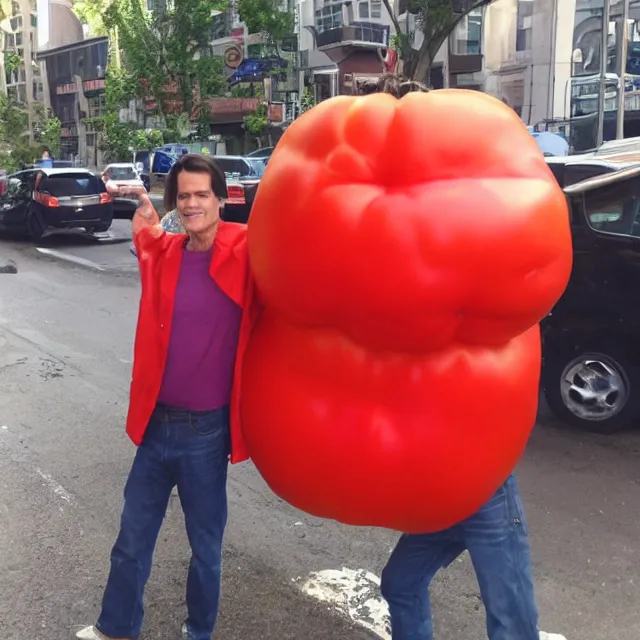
72 184
258 166
241 167
122 173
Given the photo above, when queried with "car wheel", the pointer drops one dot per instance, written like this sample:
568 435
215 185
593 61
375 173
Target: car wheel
36 226
101 228
593 389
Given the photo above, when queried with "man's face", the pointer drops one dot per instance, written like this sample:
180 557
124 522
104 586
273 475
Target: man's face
198 207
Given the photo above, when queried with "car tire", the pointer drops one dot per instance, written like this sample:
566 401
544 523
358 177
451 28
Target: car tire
102 228
36 226
594 388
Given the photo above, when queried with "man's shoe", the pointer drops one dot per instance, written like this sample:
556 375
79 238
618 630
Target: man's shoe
91 633
551 636
185 632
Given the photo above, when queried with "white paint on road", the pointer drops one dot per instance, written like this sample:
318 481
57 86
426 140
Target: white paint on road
56 487
353 593
69 257
356 594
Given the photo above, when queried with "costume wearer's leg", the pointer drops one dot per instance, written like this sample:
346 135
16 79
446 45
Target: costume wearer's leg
406 578
496 537
146 496
201 469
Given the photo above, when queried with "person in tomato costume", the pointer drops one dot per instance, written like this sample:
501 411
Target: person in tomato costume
405 246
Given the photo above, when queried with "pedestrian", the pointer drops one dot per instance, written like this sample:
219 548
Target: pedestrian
495 537
182 410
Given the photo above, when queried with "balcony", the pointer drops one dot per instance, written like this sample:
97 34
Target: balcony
364 35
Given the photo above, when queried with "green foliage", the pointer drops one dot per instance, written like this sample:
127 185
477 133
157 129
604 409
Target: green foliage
258 121
15 148
12 61
251 91
118 139
14 121
52 134
308 100
91 13
119 88
176 127
266 17
437 20
164 47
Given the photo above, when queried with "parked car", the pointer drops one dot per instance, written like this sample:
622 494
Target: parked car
264 153
591 338
243 178
170 222
121 179
37 200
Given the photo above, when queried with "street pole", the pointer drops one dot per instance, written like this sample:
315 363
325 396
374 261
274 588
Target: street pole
604 54
622 66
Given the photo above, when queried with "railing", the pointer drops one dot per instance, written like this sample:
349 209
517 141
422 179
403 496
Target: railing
373 34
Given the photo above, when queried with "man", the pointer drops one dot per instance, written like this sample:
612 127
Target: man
495 536
182 410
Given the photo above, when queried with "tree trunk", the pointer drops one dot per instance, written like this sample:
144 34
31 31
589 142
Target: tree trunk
422 71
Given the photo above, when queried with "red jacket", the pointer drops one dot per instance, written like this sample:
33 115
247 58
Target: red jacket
159 259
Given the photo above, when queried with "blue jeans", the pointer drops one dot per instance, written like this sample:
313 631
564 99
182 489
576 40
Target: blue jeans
496 538
189 450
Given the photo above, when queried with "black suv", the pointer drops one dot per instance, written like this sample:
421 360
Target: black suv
591 338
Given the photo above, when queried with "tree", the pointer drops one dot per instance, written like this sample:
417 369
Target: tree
168 47
436 20
91 13
266 17
15 148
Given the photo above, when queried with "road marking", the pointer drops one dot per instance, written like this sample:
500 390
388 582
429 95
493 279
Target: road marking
57 488
71 258
356 594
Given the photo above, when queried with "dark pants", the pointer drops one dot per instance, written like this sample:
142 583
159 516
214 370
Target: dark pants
496 538
189 450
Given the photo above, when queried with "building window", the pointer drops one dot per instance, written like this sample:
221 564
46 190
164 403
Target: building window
329 17
525 25
369 9
468 35
15 8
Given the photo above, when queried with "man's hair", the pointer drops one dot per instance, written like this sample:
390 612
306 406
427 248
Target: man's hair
393 84
194 163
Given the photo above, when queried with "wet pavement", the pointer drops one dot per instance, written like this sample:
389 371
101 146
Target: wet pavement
66 337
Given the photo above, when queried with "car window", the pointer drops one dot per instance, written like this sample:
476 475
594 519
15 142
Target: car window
615 210
234 167
122 173
257 166
72 184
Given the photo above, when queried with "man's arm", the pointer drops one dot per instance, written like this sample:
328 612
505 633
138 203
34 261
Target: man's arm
147 230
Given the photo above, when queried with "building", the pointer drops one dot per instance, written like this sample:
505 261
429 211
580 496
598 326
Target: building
76 76
528 46
32 26
341 42
21 74
543 57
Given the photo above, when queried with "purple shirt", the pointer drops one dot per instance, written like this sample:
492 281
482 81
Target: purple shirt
198 374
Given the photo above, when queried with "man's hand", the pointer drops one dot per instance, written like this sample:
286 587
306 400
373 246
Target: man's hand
146 217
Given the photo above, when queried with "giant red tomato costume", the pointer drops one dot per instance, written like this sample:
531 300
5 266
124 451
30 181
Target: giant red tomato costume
404 252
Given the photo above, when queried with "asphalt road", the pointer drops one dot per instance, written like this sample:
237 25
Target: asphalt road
66 328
